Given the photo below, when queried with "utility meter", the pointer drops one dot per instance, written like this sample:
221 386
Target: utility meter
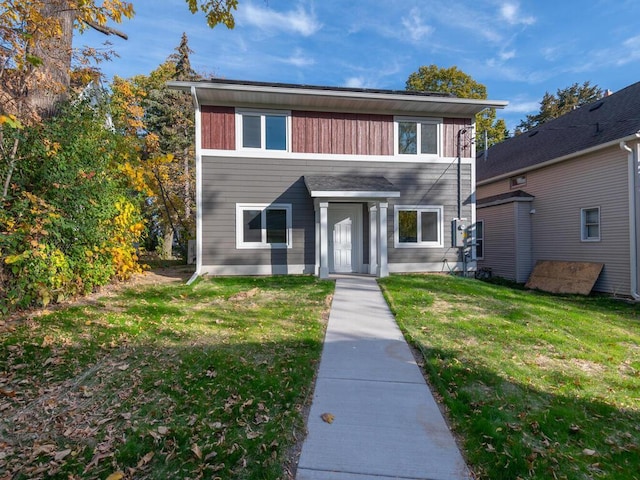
459 232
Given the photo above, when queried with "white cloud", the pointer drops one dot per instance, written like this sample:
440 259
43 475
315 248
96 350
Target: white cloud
415 26
298 59
507 55
297 21
522 107
355 82
510 12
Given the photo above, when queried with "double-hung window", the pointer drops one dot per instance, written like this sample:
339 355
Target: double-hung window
590 224
418 226
416 136
263 225
263 130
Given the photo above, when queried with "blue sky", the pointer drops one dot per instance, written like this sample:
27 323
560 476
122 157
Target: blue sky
518 49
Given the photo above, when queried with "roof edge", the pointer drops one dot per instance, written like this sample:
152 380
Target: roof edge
344 92
512 173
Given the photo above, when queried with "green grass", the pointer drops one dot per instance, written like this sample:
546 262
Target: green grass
169 381
536 386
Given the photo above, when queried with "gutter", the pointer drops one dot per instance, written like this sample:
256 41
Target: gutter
634 210
513 173
198 151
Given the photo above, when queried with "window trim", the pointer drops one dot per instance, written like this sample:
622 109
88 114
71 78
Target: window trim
439 209
263 113
513 181
583 225
481 239
240 209
418 120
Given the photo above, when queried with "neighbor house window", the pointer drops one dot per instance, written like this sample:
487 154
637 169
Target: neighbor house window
417 226
479 239
263 130
590 224
417 136
263 225
519 181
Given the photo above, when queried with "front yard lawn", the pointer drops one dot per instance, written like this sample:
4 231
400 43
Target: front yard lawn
165 381
536 386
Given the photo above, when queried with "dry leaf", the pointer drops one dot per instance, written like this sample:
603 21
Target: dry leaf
196 451
163 430
146 459
328 417
60 455
7 393
123 367
115 476
588 452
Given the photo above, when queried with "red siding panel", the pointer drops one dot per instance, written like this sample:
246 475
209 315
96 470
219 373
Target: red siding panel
450 129
342 133
218 127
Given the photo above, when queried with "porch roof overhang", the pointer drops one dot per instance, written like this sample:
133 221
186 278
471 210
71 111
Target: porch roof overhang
350 186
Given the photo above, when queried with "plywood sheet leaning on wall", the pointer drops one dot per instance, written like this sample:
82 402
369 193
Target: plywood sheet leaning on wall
564 277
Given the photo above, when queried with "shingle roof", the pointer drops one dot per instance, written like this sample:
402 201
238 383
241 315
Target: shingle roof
515 196
611 118
320 184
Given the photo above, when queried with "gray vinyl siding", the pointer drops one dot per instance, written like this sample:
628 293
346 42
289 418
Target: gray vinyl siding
499 240
524 255
598 179
228 181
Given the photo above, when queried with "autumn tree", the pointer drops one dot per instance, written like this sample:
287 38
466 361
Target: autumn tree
565 100
455 82
168 117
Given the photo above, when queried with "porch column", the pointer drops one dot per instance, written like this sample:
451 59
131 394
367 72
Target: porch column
373 238
383 267
324 240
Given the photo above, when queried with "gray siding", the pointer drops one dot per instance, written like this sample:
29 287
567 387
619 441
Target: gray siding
595 180
524 255
227 181
499 240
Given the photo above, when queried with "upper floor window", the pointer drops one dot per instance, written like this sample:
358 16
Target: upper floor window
416 136
263 130
517 182
590 224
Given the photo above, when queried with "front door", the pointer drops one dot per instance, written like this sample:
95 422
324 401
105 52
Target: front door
344 248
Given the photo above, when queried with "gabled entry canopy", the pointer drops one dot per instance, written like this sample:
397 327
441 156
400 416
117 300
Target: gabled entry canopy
331 194
356 187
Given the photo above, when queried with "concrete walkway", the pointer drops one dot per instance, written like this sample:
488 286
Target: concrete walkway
386 422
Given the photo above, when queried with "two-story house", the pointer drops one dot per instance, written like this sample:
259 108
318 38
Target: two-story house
567 190
307 179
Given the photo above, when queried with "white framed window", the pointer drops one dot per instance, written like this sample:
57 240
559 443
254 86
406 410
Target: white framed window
417 136
263 130
480 240
417 226
590 224
262 225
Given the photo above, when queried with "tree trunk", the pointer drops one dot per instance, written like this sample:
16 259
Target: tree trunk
53 75
167 244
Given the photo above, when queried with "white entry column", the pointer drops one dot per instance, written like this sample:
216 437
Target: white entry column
382 267
324 240
373 238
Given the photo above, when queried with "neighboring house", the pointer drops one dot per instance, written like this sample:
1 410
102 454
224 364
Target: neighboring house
567 191
306 179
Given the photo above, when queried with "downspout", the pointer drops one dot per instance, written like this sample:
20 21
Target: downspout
198 152
633 215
